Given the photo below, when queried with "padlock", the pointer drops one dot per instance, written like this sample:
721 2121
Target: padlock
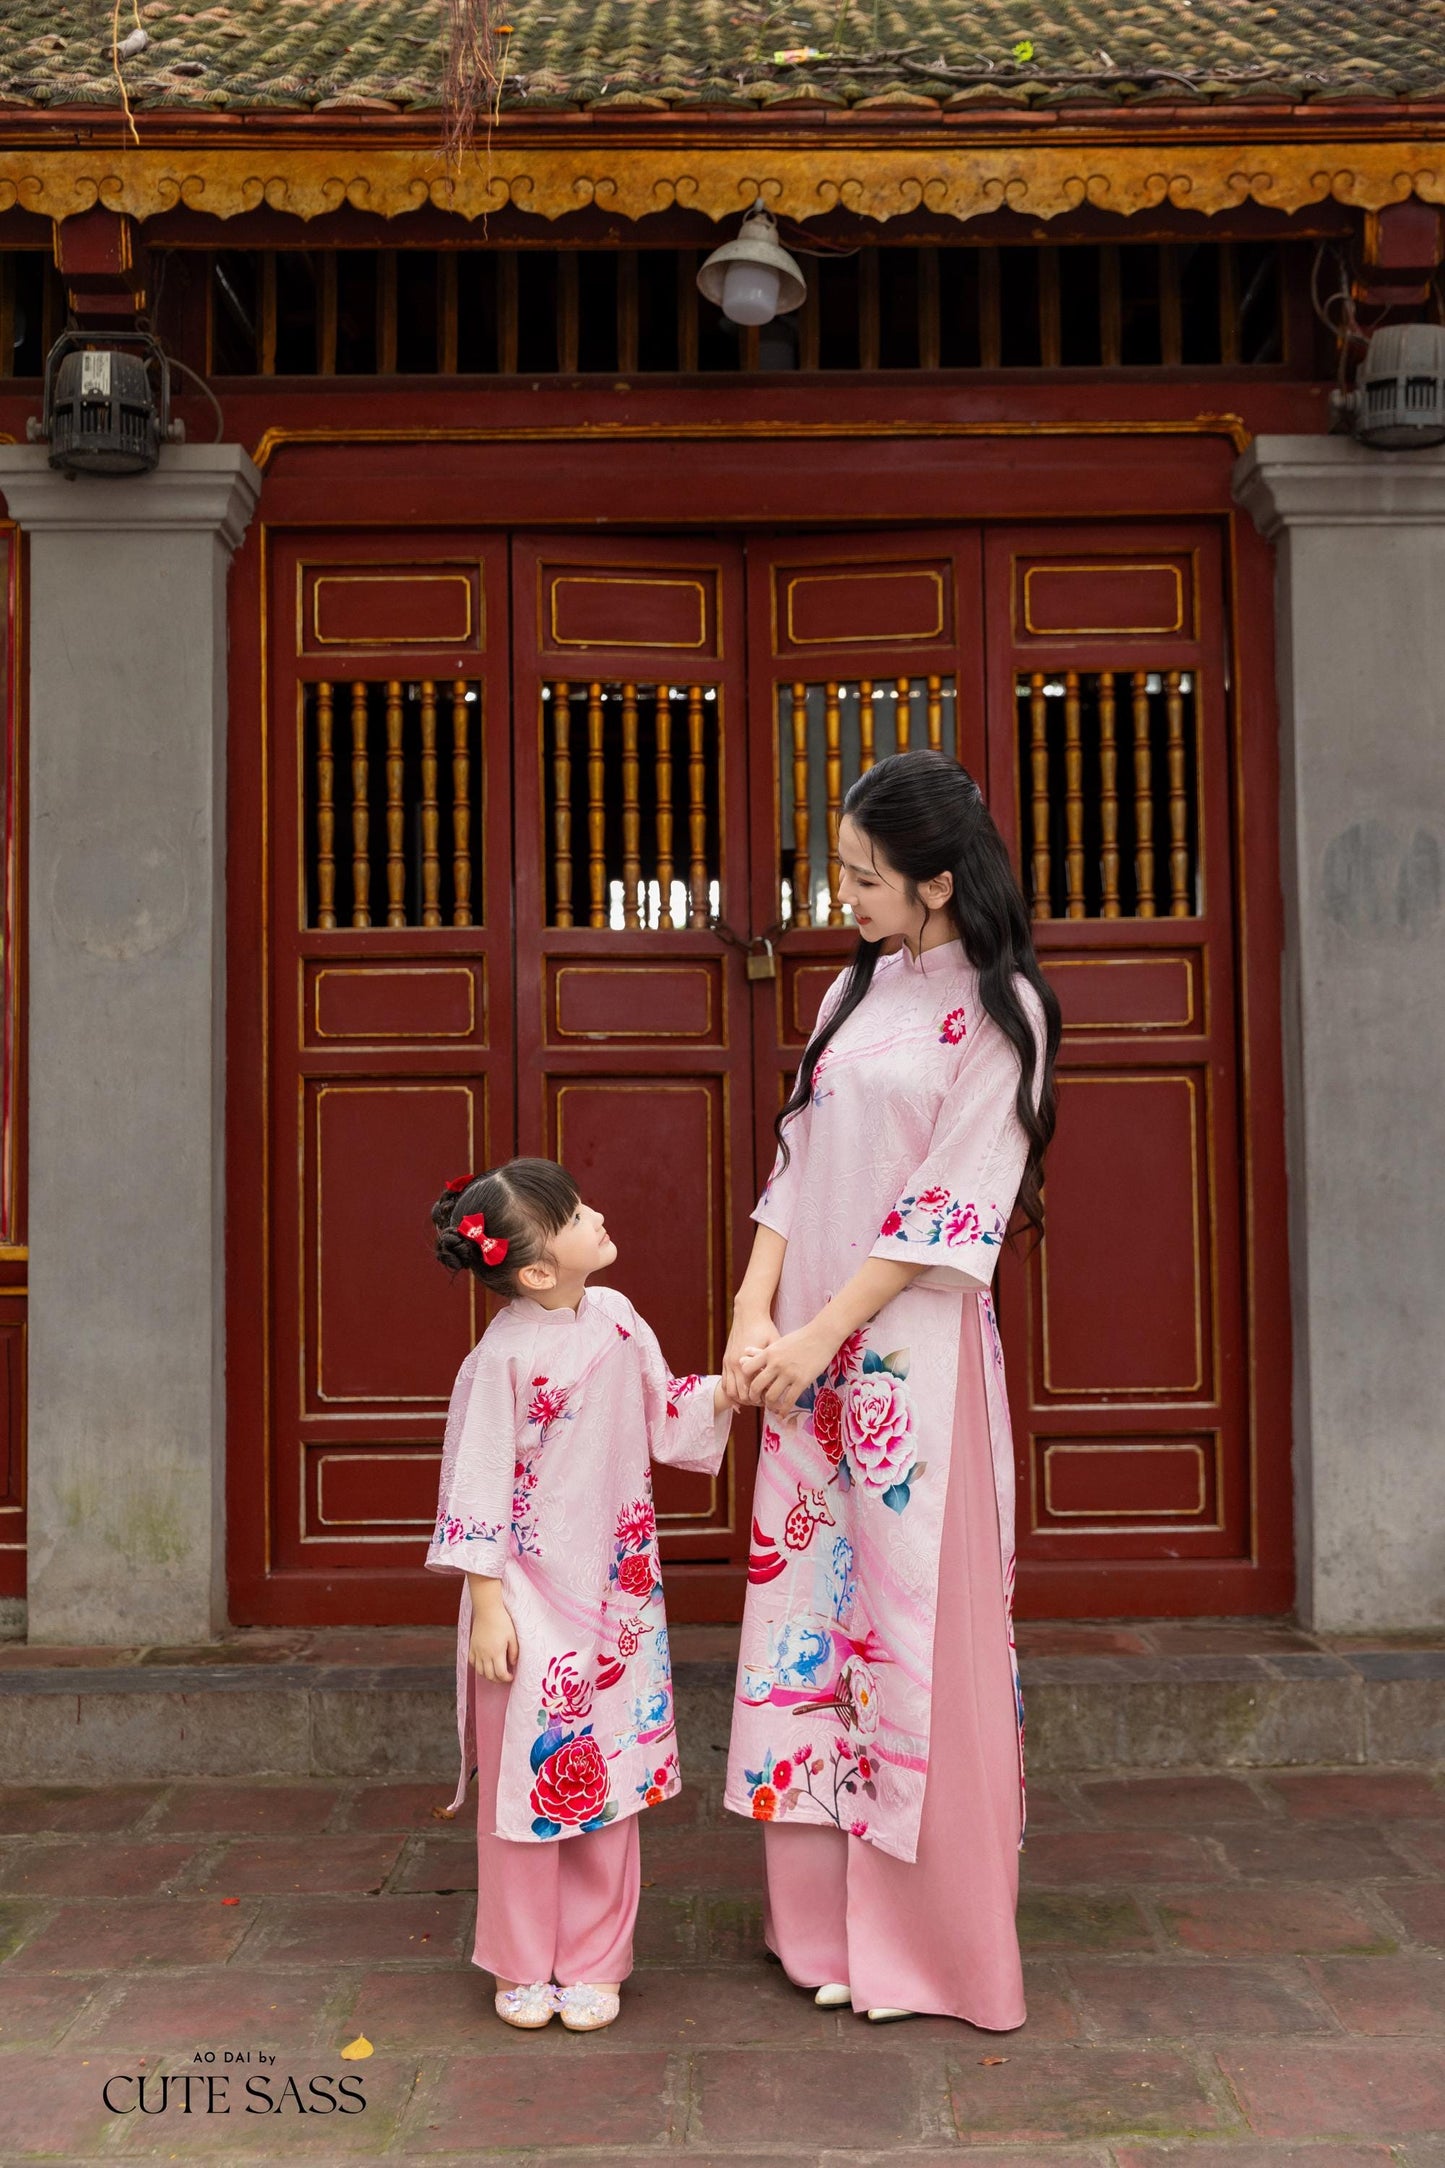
762 965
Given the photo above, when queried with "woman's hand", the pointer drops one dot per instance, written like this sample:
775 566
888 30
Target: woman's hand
789 1364
492 1649
752 1329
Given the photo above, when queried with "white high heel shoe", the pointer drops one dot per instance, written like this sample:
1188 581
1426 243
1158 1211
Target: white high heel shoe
884 2016
833 1994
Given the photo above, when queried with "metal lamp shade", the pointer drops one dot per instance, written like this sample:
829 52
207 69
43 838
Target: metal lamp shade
1398 403
756 245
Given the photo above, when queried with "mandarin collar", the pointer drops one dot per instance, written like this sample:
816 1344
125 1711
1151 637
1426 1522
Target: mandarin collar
562 1315
931 963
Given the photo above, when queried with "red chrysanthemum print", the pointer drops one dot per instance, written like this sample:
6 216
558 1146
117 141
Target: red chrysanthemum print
765 1803
892 1224
955 1028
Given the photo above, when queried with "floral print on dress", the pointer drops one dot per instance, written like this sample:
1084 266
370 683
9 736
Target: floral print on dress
954 1029
451 1528
832 1782
678 1389
547 1407
861 1418
935 1216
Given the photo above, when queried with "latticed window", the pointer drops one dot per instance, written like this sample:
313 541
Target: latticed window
830 733
393 792
1108 793
633 802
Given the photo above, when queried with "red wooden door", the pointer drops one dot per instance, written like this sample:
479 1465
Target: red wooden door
388 1020
1145 1484
634 1050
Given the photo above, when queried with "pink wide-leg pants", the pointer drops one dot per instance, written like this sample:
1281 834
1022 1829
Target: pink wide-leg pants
563 1910
935 1935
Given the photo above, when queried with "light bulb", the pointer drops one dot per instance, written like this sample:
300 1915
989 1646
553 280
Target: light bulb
750 293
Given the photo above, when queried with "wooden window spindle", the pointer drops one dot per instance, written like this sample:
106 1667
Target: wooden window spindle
1041 863
395 808
325 807
360 809
902 714
802 860
866 749
1179 900
1073 797
631 811
596 810
833 779
1108 798
935 714
696 808
662 712
1143 801
431 865
562 802
461 808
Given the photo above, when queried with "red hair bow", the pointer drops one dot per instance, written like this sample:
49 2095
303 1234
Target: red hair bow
457 1184
493 1247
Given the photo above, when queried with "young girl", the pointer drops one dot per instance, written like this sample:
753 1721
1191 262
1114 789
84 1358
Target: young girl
877 1734
564 1689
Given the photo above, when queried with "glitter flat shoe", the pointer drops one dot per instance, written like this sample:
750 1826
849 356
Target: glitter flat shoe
528 2007
587 2009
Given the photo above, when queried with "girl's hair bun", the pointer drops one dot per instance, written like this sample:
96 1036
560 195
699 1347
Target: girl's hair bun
524 1202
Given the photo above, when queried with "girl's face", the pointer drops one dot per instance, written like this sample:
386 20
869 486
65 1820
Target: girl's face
582 1247
884 906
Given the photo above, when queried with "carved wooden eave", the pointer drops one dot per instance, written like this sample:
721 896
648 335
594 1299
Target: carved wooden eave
1042 165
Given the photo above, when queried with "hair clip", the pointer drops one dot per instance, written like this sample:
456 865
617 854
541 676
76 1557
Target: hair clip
493 1247
457 1184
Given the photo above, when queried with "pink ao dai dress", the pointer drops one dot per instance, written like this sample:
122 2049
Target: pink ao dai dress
877 1729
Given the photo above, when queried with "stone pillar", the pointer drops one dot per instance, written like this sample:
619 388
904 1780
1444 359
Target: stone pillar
126 979
1361 642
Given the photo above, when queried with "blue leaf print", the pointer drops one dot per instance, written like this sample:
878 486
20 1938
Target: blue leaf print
897 1497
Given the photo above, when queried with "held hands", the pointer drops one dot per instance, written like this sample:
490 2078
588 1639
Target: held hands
493 1647
778 1373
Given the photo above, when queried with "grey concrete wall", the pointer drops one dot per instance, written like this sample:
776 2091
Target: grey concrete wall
126 979
1361 640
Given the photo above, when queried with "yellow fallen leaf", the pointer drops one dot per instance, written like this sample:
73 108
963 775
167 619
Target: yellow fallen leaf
357 2050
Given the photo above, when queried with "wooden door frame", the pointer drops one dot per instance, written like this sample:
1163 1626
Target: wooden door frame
769 477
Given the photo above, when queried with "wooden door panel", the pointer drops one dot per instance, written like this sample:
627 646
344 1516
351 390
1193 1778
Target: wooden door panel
387 841
634 1045
1110 768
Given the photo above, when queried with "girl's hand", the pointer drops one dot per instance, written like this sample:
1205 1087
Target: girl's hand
752 1329
492 1649
789 1365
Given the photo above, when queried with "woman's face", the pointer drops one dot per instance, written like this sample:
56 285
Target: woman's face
884 907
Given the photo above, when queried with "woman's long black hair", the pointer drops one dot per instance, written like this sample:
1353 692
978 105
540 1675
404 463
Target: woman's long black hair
925 815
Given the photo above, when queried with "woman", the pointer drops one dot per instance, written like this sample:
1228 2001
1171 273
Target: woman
877 1730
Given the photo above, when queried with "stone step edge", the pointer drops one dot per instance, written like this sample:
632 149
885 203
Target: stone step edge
1370 1666
392 1722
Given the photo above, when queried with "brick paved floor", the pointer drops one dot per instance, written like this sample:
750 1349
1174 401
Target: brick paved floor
1226 1971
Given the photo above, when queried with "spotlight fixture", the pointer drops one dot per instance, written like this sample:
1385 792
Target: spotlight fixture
100 412
1398 403
753 279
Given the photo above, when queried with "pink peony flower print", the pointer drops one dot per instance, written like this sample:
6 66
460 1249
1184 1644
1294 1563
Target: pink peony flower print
849 1359
547 1406
564 1694
571 1784
962 1225
932 1200
955 1028
878 1429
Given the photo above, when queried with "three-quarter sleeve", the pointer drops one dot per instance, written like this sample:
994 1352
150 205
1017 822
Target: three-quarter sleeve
474 1505
780 1193
952 1212
682 1429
